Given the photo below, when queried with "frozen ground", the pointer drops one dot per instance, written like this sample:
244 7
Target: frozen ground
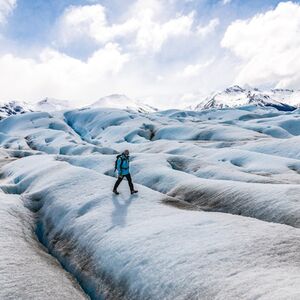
216 217
27 271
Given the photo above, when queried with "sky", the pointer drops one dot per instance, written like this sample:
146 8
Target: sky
167 53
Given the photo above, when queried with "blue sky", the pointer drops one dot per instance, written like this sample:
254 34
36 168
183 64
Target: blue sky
163 52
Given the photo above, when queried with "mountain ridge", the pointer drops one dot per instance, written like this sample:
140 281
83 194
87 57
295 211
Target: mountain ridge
236 96
231 97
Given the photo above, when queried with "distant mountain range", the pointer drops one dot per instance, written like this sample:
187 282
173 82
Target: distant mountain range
235 96
51 104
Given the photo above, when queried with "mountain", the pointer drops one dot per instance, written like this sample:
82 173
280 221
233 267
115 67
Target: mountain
235 96
122 102
13 108
52 104
20 107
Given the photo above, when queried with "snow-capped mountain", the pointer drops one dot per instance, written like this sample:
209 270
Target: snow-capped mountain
235 96
20 107
13 108
52 104
122 102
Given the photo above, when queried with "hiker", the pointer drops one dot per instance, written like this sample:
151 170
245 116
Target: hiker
122 165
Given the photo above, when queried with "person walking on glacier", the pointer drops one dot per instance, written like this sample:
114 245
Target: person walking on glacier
122 165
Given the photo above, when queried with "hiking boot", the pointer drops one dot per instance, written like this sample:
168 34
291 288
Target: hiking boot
116 192
133 192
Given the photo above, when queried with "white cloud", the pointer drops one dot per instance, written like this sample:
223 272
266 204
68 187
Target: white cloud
194 70
91 21
6 7
108 70
80 21
154 28
145 28
268 45
150 8
209 28
226 2
56 74
151 35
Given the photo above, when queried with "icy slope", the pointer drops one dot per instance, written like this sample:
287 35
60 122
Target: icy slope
27 271
210 159
44 132
131 247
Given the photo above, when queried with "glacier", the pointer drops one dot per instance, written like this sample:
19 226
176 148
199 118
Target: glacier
216 217
27 271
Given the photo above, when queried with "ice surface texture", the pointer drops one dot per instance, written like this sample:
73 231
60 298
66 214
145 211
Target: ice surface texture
217 215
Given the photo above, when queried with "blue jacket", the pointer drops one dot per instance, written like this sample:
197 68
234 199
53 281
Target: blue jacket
123 165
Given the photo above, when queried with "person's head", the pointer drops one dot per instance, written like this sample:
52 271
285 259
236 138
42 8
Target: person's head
126 152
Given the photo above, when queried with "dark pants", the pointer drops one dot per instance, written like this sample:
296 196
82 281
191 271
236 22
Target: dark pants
120 178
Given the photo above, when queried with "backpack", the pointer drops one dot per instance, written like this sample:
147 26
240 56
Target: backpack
116 162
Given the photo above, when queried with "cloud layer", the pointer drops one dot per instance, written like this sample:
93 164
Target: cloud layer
143 55
268 46
54 72
166 52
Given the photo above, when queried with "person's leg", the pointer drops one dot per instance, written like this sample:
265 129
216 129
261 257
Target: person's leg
128 176
120 178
